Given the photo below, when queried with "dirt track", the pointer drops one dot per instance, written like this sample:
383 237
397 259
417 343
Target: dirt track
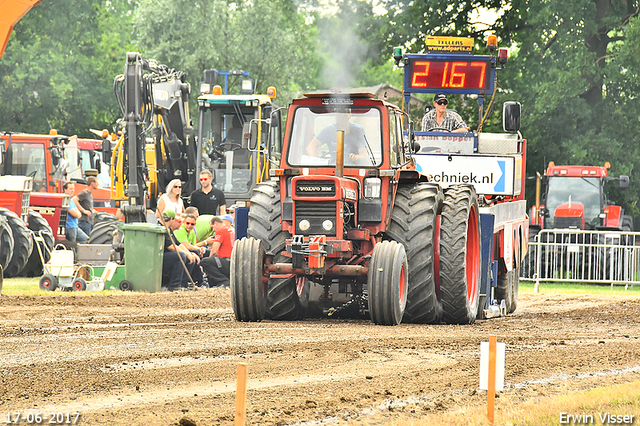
165 358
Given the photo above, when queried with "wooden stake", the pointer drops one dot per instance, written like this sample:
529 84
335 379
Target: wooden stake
491 391
241 395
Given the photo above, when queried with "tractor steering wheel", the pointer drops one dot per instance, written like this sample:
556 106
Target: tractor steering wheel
232 146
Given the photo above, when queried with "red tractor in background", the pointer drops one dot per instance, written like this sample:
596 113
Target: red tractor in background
574 197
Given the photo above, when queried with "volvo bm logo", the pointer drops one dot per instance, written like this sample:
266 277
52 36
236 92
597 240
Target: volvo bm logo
315 188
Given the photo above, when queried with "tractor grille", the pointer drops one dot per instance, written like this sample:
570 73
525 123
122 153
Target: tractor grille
567 222
316 213
62 224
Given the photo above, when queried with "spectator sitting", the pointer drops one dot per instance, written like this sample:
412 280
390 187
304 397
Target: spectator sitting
187 238
173 272
228 220
218 264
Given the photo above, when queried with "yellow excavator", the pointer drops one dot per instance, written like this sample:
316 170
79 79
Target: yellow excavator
11 11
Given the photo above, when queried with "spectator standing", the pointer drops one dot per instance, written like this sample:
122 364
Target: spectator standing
218 264
171 199
173 272
208 199
73 233
84 203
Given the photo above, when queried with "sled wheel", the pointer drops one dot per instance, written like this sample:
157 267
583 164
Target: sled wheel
248 292
125 285
48 282
387 282
79 284
460 255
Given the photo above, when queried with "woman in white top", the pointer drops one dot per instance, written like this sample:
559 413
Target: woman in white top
171 199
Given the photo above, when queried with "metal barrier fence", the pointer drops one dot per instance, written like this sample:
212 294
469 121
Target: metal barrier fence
568 255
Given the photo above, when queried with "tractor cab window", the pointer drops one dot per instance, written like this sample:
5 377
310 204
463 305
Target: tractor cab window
395 135
225 152
586 191
314 137
28 159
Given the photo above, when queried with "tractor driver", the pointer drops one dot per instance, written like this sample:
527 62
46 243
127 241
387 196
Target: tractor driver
441 118
355 141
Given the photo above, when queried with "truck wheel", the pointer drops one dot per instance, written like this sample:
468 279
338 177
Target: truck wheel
288 298
6 242
460 255
48 282
414 224
40 228
388 282
248 292
22 243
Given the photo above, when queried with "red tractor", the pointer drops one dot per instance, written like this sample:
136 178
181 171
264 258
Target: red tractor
44 208
351 227
574 197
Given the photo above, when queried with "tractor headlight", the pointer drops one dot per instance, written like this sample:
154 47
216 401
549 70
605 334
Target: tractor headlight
327 225
304 225
372 187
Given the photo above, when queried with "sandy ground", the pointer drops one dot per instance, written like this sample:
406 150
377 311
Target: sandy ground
171 358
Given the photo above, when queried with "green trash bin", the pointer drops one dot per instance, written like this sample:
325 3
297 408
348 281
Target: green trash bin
143 252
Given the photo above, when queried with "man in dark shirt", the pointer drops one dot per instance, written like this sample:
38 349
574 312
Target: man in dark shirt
84 203
208 200
173 272
355 142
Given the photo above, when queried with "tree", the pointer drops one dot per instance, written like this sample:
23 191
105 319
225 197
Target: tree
57 71
574 69
269 39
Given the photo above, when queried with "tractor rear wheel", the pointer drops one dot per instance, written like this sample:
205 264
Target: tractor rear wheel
104 227
6 242
248 293
41 229
22 243
460 255
288 298
507 288
414 224
387 283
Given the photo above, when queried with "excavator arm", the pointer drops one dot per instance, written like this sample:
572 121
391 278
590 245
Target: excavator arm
11 11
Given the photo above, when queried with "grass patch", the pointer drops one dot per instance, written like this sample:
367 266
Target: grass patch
617 400
29 287
576 288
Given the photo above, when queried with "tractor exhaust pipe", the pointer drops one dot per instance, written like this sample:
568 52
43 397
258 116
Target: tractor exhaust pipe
340 155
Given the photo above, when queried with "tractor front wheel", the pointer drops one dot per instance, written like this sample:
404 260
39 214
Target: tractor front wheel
388 283
248 293
43 245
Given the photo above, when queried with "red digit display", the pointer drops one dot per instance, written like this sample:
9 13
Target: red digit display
444 74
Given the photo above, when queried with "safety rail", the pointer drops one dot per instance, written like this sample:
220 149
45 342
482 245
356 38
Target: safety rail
570 255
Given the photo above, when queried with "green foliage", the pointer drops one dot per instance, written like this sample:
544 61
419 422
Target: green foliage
57 72
269 39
